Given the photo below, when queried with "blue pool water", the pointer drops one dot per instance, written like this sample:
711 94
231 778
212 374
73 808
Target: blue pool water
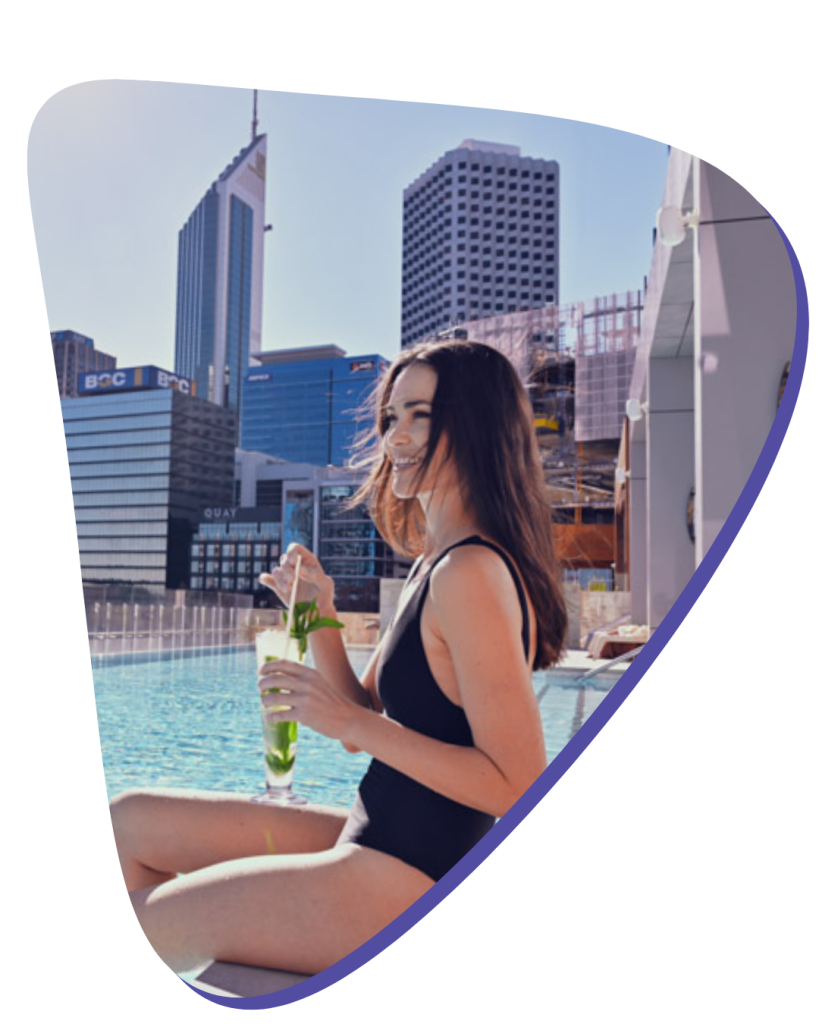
194 722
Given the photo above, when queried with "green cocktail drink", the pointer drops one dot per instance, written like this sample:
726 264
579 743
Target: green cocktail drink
280 738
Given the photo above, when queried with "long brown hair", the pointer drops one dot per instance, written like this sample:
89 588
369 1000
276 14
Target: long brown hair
480 407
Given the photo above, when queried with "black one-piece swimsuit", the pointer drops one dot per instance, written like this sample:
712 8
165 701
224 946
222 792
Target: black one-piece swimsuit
392 812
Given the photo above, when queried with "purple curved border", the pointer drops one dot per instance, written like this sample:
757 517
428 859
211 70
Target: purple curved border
575 747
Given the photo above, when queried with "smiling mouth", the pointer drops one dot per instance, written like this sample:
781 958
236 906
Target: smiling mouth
399 464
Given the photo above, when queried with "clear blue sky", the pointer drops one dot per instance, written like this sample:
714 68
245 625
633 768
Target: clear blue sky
116 167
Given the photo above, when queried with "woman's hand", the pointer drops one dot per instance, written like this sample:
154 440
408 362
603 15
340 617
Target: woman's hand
314 583
308 697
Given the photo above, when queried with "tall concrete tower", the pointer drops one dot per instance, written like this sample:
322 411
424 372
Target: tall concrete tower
480 237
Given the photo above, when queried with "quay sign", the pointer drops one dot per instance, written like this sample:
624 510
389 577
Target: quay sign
219 513
134 378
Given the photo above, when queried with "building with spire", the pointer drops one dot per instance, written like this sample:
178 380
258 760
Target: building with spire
219 278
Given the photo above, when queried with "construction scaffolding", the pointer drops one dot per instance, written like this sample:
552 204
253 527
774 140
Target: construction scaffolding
576 362
607 335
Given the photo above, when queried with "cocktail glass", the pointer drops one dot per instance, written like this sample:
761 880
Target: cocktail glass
280 738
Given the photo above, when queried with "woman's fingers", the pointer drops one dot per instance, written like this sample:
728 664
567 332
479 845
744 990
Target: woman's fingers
277 581
288 714
295 552
283 677
282 577
280 580
281 666
278 698
295 693
310 567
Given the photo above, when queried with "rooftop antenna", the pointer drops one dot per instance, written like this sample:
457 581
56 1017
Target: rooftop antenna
255 123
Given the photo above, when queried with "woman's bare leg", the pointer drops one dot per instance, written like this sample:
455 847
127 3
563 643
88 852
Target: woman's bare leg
292 912
165 831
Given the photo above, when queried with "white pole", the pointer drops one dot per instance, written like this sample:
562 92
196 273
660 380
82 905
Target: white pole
697 311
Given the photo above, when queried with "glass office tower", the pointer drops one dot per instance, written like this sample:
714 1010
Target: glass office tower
219 280
353 552
143 463
306 405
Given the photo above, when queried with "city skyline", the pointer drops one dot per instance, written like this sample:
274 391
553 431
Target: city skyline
116 167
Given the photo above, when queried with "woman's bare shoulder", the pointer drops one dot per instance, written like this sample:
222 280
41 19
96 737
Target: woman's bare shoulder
472 574
473 591
471 562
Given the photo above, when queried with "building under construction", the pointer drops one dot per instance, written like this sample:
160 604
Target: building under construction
576 361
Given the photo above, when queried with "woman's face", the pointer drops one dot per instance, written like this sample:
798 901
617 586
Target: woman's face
408 424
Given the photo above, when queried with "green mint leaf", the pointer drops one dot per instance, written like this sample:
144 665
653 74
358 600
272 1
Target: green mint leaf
307 620
321 623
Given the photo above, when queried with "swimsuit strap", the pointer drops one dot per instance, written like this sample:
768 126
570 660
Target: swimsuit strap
475 539
414 567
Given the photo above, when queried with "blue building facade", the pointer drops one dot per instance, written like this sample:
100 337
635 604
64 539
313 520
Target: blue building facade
307 405
219 280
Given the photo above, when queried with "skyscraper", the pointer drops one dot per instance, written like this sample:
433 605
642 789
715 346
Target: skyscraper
219 279
481 237
74 353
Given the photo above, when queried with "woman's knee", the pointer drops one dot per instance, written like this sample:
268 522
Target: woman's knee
128 810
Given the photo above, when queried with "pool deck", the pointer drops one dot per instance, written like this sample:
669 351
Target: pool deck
576 662
237 981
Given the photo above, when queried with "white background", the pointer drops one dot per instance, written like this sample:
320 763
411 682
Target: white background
670 875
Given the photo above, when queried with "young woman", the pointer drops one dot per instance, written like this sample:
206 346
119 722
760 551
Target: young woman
445 708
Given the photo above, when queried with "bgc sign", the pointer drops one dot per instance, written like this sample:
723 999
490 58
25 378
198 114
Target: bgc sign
135 378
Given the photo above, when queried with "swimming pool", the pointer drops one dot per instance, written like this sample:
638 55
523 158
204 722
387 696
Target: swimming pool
194 722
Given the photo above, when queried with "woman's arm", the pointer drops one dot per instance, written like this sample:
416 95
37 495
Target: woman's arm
331 659
326 645
476 612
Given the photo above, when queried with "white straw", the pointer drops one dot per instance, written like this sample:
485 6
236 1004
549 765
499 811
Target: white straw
290 619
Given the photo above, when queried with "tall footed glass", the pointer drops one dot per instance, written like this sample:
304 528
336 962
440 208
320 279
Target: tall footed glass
280 738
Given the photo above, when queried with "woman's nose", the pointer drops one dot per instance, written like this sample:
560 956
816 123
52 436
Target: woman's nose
397 434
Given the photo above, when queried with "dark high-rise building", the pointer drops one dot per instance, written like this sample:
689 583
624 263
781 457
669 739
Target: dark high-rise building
145 456
219 280
74 353
303 404
481 237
